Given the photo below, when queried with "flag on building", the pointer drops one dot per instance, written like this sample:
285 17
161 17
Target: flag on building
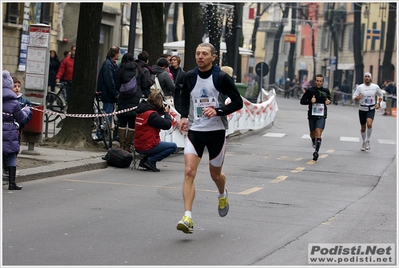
249 13
373 34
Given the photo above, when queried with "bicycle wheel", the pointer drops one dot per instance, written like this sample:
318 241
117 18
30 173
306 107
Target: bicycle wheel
101 130
54 103
105 130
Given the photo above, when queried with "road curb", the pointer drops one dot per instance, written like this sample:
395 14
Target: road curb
61 168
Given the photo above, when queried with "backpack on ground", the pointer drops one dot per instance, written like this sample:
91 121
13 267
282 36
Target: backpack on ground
128 89
116 157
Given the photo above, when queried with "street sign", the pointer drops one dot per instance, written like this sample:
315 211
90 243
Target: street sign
251 61
262 69
333 63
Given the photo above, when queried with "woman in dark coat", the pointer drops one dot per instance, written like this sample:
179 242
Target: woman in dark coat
54 65
178 76
127 70
12 116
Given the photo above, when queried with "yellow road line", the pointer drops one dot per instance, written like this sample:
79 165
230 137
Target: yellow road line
298 169
250 191
279 179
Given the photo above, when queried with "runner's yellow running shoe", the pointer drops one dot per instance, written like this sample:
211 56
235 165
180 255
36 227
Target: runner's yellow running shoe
185 225
223 207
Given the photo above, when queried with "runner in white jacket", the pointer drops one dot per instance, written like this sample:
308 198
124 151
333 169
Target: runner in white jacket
366 95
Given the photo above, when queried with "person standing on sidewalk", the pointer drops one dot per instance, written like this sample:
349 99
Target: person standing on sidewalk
345 89
317 98
66 71
366 95
178 75
128 99
106 81
204 116
12 116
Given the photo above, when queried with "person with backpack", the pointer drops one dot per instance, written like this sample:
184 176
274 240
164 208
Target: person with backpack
165 82
204 116
129 82
142 61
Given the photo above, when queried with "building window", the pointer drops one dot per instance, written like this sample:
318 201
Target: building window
350 39
372 39
14 13
382 35
170 32
325 37
46 14
303 40
362 33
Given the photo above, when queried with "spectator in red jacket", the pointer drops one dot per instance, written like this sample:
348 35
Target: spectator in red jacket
66 70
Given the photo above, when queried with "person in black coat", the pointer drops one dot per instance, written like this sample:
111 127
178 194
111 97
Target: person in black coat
148 71
316 98
127 70
178 76
53 69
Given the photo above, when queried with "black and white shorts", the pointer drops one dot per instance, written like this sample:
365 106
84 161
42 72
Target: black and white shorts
214 141
363 115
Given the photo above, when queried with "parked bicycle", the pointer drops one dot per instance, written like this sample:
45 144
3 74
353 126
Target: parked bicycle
101 127
57 101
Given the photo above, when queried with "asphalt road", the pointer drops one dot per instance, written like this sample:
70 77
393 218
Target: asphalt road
280 201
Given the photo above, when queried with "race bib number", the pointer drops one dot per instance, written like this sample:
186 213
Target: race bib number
369 100
318 109
201 103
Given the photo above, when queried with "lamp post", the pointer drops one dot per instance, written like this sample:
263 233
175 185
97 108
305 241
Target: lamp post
237 39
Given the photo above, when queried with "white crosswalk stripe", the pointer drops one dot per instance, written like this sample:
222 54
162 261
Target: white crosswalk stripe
342 138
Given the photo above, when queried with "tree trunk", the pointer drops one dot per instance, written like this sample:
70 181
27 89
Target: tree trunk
194 31
175 17
387 67
357 44
273 62
76 132
166 8
153 30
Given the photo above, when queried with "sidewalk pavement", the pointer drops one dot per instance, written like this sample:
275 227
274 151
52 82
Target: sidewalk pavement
59 162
